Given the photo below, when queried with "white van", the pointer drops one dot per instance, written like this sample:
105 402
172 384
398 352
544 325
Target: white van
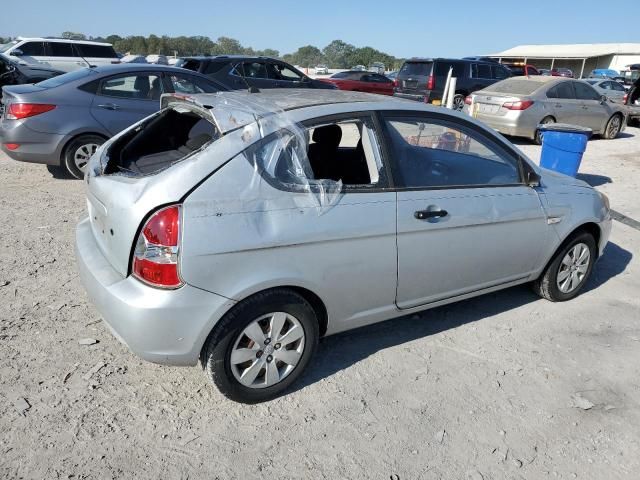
62 54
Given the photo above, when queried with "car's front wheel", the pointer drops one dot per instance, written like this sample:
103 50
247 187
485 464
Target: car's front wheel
568 270
262 346
613 128
78 153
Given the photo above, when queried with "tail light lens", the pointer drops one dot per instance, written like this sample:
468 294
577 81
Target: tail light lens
520 105
467 100
624 99
155 259
16 111
431 83
395 83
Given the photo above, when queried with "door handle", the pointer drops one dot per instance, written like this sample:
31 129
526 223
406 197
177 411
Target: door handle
425 214
109 106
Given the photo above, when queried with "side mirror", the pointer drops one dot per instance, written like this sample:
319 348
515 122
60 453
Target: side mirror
532 178
16 52
603 99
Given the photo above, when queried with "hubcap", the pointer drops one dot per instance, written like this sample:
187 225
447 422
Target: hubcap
267 350
458 103
573 268
614 126
83 154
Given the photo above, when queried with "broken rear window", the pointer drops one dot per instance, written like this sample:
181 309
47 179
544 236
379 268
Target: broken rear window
160 142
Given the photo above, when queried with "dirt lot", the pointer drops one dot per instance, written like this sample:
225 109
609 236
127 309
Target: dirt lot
502 386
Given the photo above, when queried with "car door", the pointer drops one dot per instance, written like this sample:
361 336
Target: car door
121 100
60 55
562 103
466 221
595 112
254 74
288 77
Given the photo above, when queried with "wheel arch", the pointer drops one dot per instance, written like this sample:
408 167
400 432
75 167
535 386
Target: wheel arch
65 146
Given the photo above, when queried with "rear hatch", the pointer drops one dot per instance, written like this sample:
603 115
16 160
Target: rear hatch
413 77
154 163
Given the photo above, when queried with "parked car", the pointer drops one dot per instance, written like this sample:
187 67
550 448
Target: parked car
359 68
157 59
361 82
610 88
562 72
322 70
517 106
423 79
392 75
313 214
131 58
544 71
13 73
481 59
522 69
377 67
62 121
604 73
61 54
238 72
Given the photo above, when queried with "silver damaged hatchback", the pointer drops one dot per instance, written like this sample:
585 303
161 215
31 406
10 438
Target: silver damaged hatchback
236 229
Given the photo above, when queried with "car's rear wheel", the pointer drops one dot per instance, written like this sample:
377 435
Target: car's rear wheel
614 125
261 346
538 135
458 102
569 269
78 153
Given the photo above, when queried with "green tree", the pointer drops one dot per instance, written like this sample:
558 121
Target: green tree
228 46
268 52
308 56
337 54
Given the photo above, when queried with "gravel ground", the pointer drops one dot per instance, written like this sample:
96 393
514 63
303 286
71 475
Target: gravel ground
501 386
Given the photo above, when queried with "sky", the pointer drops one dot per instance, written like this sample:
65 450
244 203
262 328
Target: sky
404 28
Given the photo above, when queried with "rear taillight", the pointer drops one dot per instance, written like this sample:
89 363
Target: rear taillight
520 105
16 111
468 100
395 83
431 83
155 259
12 146
624 99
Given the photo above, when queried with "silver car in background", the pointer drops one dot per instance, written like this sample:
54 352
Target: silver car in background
517 105
304 214
612 89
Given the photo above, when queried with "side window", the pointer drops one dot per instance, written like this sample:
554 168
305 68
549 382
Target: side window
617 86
212 67
255 70
184 84
376 77
32 49
498 72
95 51
585 92
480 70
283 72
562 90
60 49
432 153
142 87
442 69
345 151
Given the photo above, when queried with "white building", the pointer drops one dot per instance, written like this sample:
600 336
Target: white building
581 58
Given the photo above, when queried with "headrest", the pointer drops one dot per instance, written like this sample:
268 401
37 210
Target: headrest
328 135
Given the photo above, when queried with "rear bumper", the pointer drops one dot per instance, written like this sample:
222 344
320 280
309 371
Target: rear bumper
35 147
516 127
161 326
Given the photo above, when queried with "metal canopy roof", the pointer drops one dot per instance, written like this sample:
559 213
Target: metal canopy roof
577 51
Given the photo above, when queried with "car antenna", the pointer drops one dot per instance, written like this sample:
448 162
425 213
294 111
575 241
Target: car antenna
250 89
84 59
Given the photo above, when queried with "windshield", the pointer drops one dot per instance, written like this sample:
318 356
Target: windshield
416 68
66 78
6 46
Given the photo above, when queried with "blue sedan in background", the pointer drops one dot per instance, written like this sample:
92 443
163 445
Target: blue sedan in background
62 121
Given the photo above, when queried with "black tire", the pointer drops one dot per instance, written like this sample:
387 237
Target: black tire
216 353
612 130
538 135
59 172
547 285
458 102
84 143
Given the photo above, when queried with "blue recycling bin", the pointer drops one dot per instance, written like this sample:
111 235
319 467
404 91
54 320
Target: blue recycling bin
563 146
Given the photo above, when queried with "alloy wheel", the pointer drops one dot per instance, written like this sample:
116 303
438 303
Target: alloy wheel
267 350
574 268
614 127
83 153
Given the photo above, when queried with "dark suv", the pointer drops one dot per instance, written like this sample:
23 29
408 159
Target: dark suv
423 79
241 72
